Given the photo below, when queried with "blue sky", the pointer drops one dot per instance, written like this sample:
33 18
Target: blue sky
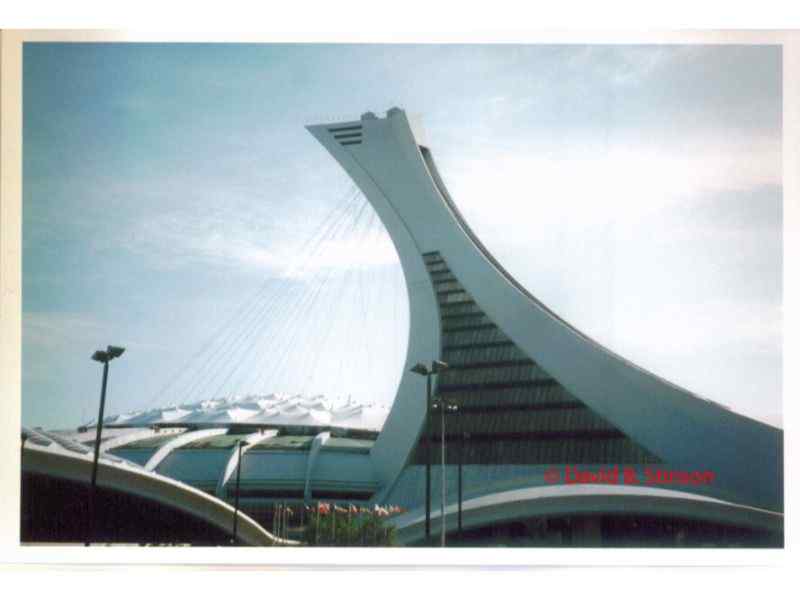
636 190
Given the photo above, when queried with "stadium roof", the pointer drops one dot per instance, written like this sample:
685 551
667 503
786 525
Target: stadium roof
273 410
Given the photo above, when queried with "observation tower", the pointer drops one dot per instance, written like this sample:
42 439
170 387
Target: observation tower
536 403
534 394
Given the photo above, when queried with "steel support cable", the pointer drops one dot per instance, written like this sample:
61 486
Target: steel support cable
210 368
379 302
263 342
330 318
399 290
282 285
364 326
349 278
366 305
268 351
395 320
340 351
226 351
317 292
359 306
304 308
236 313
387 303
271 352
205 370
371 300
356 242
241 347
308 307
325 321
287 318
311 332
378 305
216 360
283 313
290 329
344 350
383 356
387 299
231 359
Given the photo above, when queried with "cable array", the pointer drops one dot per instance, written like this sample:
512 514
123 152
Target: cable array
329 322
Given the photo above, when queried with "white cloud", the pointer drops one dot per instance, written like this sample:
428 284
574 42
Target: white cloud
50 331
54 330
596 183
623 65
346 254
173 241
637 240
692 330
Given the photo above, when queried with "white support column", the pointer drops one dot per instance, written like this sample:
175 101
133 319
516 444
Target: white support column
233 460
316 445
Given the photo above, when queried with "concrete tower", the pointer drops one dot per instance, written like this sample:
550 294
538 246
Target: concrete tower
534 391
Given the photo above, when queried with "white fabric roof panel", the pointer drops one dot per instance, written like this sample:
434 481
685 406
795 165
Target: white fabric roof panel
268 410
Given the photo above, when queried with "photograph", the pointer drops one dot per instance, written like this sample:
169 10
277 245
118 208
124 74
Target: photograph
402 295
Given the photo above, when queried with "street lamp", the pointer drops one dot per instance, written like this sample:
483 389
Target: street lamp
105 357
443 407
242 444
462 438
437 366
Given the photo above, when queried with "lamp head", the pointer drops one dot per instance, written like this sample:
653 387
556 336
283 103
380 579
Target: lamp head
439 366
100 356
114 351
420 369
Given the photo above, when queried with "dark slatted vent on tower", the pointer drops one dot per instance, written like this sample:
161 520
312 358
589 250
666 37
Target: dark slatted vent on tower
348 135
512 409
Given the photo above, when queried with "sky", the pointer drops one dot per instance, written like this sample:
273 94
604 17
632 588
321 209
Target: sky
174 204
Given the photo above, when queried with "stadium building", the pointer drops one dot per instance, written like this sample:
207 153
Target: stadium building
539 435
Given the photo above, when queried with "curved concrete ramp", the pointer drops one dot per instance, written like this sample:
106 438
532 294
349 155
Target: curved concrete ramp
584 499
54 461
181 440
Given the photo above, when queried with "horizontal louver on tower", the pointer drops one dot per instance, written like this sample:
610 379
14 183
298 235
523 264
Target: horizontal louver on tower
510 409
348 135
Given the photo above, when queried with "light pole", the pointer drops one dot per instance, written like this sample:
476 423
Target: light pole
443 408
437 366
464 437
105 357
242 444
